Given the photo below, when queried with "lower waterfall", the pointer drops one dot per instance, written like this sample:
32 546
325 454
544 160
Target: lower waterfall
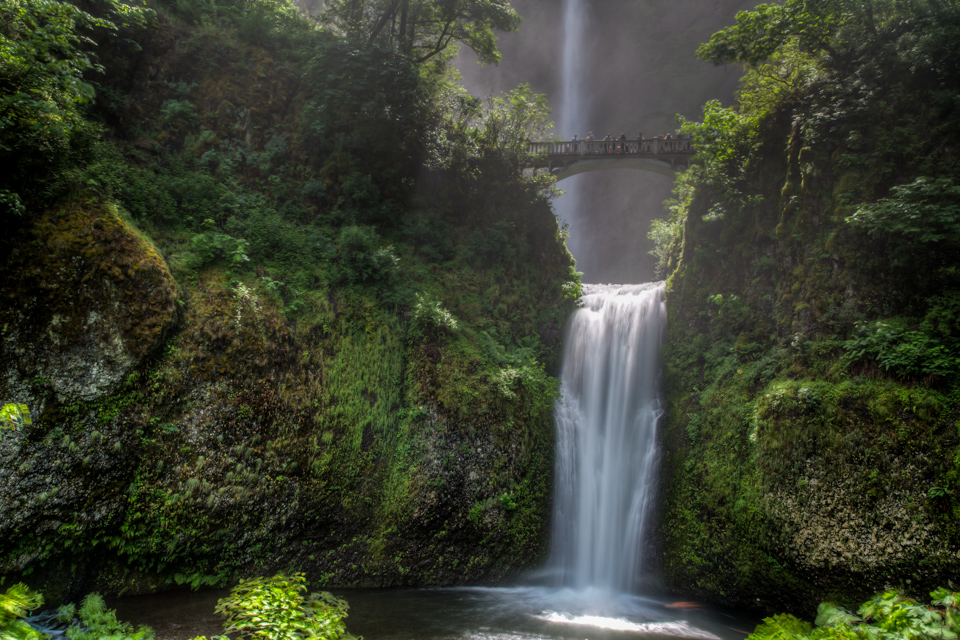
607 449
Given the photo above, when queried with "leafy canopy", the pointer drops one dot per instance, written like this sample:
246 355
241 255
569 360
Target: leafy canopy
423 29
924 211
45 52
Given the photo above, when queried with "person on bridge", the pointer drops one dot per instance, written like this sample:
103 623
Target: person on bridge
607 140
575 146
590 137
623 143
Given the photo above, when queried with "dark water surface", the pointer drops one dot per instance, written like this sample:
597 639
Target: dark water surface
519 613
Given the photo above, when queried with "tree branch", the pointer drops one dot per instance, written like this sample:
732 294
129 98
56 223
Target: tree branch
384 19
440 46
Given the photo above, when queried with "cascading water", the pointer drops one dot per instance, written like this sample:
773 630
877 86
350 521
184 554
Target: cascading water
571 115
606 435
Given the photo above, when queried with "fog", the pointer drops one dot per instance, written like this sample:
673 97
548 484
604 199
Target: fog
640 71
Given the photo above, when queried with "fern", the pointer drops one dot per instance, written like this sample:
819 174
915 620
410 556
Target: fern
829 614
782 627
15 604
887 616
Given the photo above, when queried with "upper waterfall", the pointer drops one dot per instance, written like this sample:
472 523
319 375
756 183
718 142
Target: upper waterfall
606 435
572 113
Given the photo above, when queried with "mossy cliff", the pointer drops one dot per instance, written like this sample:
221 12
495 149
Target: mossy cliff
811 369
286 311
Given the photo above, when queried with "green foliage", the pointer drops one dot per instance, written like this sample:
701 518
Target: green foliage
212 245
924 211
722 140
888 616
731 313
18 601
429 314
515 118
276 609
492 245
781 627
179 113
829 615
930 348
45 52
96 622
431 237
15 417
360 259
323 200
841 368
665 234
761 32
422 29
365 116
901 351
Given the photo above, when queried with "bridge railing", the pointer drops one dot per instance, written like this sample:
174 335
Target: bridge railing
653 147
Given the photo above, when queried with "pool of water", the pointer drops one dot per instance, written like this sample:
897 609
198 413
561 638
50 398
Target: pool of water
518 613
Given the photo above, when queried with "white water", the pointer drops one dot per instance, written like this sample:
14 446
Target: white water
606 436
572 114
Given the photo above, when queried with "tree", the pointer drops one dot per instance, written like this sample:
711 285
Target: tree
423 29
44 54
514 119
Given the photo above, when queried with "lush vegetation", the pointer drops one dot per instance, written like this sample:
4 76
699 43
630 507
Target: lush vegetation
16 604
885 616
270 608
812 361
92 621
331 303
275 609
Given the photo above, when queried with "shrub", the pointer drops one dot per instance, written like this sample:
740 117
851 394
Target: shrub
99 623
15 604
494 245
429 313
902 351
924 211
888 616
210 246
275 608
362 261
429 235
178 113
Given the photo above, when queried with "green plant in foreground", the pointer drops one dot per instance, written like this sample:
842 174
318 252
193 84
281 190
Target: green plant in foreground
275 608
15 604
99 623
888 616
15 417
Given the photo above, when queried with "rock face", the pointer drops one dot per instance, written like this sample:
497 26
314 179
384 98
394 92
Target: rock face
349 375
241 448
86 299
811 437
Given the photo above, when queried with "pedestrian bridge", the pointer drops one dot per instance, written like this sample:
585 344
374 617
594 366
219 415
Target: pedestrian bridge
666 156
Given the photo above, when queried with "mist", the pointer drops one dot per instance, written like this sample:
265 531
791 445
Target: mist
643 71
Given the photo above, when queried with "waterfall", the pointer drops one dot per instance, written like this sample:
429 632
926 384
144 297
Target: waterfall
606 435
572 116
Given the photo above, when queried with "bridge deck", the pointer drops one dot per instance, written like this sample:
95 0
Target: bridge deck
654 147
564 159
